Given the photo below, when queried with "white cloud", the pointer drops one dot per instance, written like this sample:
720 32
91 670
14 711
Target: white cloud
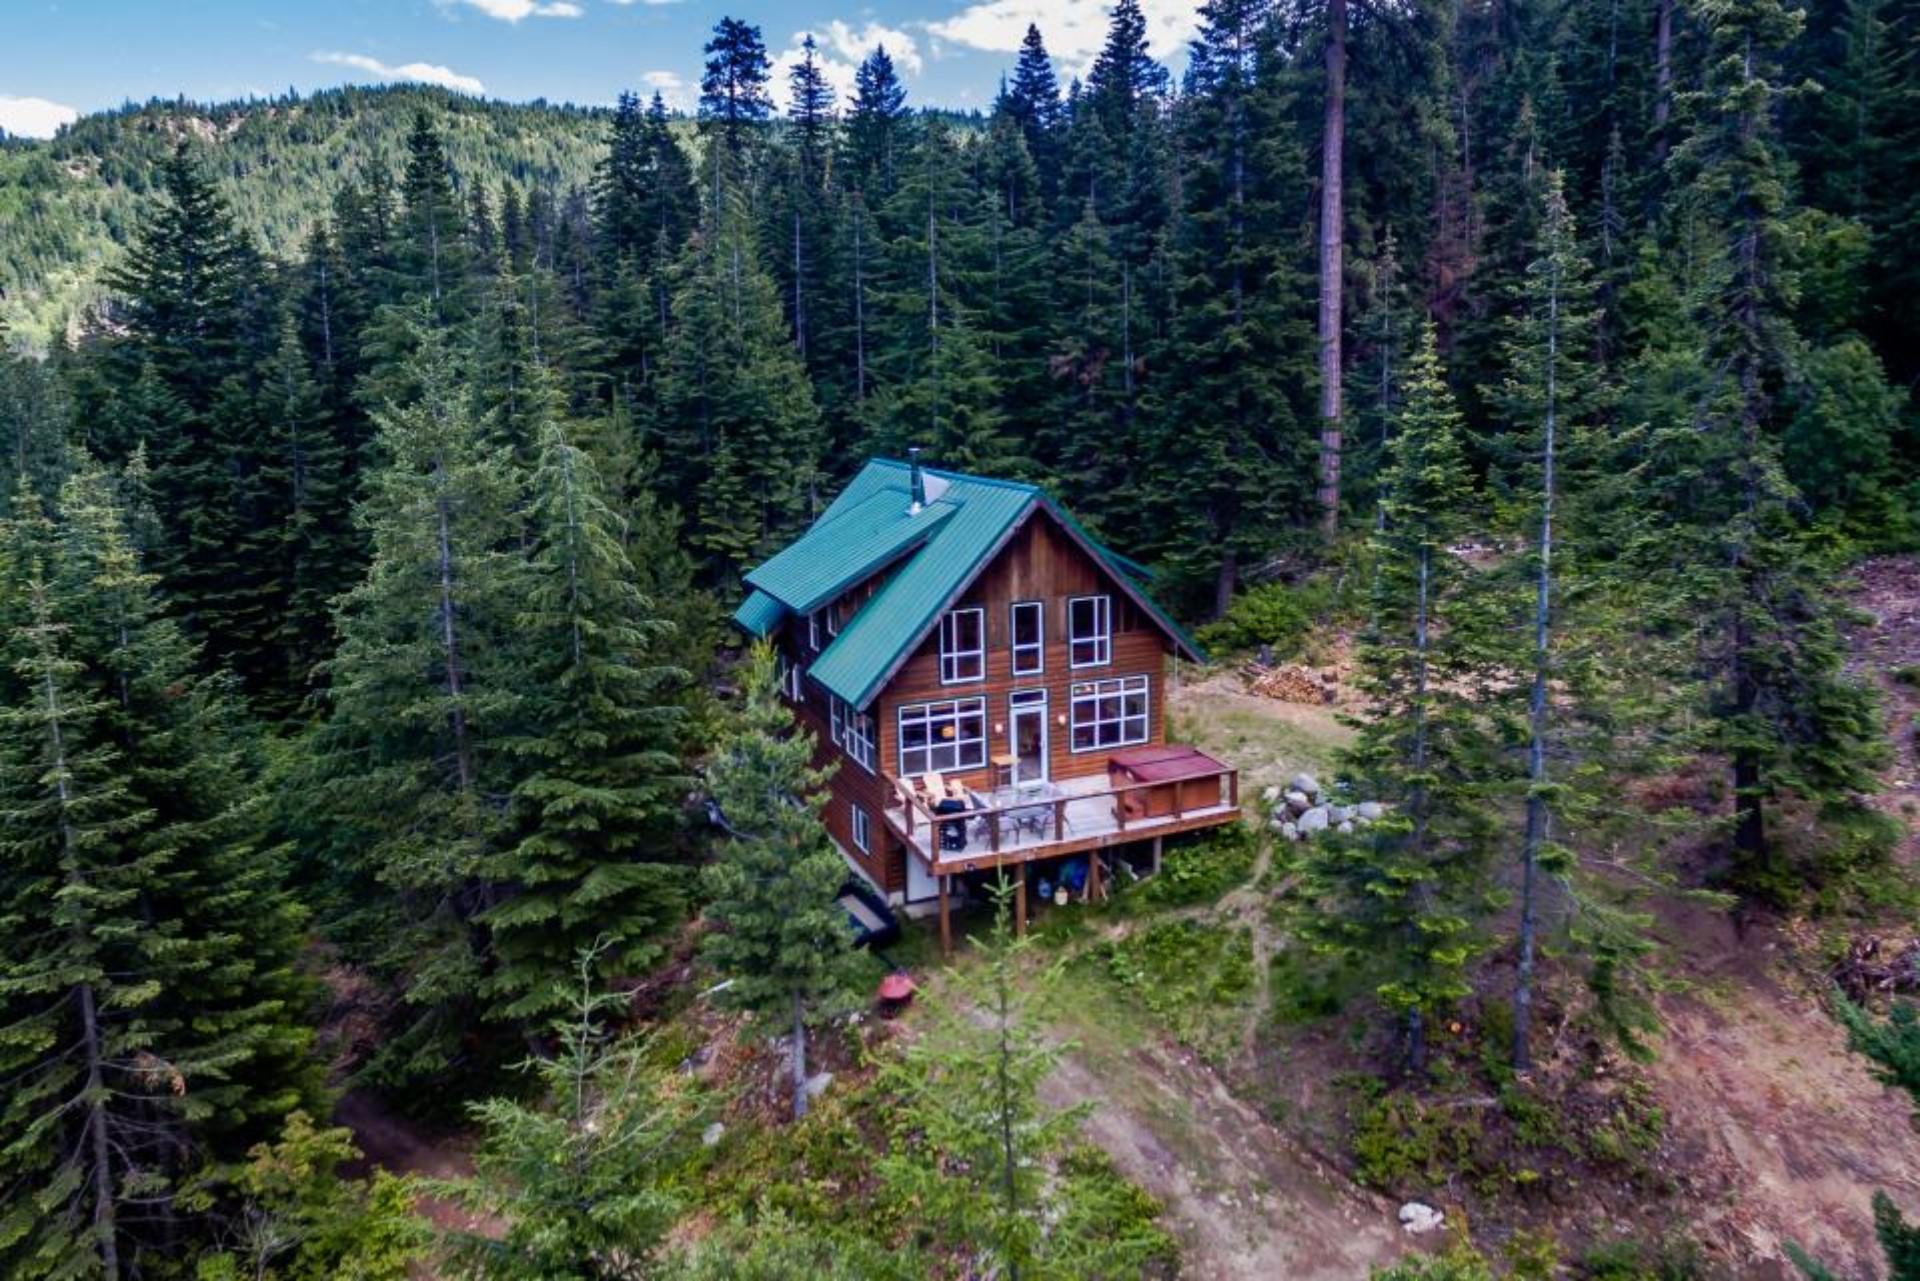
855 45
671 86
838 51
34 117
423 72
1073 29
651 4
516 10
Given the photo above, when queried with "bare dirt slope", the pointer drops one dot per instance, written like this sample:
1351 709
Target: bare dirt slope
1245 1201
1781 1132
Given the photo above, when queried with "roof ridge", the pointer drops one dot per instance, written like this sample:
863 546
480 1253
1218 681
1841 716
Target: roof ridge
967 476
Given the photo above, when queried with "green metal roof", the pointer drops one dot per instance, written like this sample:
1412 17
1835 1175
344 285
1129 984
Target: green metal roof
847 548
867 527
759 614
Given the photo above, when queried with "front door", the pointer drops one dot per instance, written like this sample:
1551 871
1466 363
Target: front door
1027 734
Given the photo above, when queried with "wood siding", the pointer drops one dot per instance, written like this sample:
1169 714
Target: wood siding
1039 563
884 861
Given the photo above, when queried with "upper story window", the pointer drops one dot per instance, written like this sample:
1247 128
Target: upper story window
823 625
963 646
787 674
1029 637
1090 631
852 730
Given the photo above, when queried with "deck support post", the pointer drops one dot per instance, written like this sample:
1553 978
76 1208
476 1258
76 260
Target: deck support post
1095 892
946 921
1158 841
1020 899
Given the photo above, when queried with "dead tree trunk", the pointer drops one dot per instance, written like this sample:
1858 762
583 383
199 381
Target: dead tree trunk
1332 246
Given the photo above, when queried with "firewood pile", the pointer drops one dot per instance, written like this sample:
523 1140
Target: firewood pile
1292 683
1875 965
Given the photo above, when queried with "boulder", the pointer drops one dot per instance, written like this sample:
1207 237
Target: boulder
1305 782
1369 810
1289 831
817 1085
1314 820
1344 827
1338 814
713 1133
1271 795
1299 802
1420 1218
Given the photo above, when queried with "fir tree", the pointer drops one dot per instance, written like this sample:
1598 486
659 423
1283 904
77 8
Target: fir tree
737 415
596 756
876 129
157 1021
576 1174
1402 901
779 937
405 777
1784 715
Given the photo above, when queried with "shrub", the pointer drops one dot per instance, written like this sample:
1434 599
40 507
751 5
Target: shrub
1273 614
1199 871
1401 1144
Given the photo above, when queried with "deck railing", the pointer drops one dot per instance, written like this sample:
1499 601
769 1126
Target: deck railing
916 808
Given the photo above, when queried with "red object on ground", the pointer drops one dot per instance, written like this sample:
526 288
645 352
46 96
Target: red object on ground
896 987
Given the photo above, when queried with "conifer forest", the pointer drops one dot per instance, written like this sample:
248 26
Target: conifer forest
409 868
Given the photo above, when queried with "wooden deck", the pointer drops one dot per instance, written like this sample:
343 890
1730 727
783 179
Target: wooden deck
1088 813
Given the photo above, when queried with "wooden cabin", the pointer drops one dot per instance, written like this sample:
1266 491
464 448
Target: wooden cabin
990 683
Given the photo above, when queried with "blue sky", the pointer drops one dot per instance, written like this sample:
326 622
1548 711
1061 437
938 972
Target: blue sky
62 56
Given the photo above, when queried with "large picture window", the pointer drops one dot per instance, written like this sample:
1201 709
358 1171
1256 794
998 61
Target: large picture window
1109 713
1029 637
942 737
1090 631
963 646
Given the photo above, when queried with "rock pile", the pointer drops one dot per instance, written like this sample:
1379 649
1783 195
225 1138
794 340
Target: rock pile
1302 808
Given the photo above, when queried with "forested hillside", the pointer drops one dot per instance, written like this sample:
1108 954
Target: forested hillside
377 470
70 207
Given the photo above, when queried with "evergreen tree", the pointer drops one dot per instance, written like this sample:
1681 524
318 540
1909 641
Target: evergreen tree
734 101
779 937
645 201
574 1175
1402 900
154 1011
1784 715
598 781
876 130
940 388
405 777
738 423
1032 100
982 1152
1238 327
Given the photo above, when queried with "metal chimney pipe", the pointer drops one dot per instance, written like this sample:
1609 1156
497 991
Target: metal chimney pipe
919 481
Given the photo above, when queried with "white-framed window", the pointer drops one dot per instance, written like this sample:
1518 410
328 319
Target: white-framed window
1029 637
963 646
851 730
859 737
1110 713
1090 631
862 828
787 674
823 625
942 737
